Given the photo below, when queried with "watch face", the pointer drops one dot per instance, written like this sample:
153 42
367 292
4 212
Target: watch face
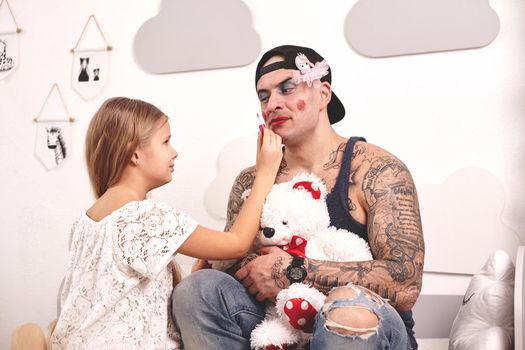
296 273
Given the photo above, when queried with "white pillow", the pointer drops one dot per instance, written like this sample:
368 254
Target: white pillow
485 321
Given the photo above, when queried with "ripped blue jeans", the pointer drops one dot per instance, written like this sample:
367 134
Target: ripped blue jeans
214 311
390 333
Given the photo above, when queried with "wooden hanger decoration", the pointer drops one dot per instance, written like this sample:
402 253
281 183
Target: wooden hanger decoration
53 132
90 68
9 43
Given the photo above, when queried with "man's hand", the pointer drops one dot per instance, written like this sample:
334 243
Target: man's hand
265 276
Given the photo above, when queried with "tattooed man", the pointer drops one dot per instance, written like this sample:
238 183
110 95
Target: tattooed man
371 193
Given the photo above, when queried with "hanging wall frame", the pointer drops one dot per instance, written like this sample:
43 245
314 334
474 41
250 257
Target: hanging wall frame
9 42
90 67
53 134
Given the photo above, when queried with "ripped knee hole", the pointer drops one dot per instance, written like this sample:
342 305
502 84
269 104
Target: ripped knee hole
352 320
351 292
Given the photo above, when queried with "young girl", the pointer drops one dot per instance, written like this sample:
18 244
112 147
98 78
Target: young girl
116 294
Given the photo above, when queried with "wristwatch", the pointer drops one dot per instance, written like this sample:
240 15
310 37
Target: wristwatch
296 271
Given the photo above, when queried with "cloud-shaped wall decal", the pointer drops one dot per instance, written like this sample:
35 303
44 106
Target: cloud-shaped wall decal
382 28
462 222
233 158
189 35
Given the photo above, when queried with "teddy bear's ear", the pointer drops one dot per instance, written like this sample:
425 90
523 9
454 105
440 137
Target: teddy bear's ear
310 187
311 183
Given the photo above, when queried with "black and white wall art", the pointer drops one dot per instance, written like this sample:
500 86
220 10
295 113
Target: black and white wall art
90 66
53 130
90 70
9 41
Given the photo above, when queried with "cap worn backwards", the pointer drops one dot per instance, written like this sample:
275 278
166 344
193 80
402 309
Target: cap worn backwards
311 68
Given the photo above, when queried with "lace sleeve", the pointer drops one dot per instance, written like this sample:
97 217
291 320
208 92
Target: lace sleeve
147 234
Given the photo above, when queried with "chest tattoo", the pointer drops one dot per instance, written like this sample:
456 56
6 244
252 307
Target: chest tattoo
351 205
283 168
335 158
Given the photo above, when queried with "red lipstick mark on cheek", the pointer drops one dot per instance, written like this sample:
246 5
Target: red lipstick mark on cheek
264 116
301 104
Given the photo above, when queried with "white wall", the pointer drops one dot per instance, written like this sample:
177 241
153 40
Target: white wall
437 112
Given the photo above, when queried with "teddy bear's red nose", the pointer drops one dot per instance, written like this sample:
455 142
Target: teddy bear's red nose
268 232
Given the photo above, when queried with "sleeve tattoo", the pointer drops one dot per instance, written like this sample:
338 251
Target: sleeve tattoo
395 237
243 182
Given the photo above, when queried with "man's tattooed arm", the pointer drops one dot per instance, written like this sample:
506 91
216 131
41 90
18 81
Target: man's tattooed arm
243 182
395 235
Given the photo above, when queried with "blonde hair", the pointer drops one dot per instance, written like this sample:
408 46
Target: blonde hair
116 130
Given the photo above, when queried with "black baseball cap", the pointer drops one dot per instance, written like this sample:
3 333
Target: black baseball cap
336 110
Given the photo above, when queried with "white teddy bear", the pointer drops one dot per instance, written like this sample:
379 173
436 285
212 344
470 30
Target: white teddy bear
295 216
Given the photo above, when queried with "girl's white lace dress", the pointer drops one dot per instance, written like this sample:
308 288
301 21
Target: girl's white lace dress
118 286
